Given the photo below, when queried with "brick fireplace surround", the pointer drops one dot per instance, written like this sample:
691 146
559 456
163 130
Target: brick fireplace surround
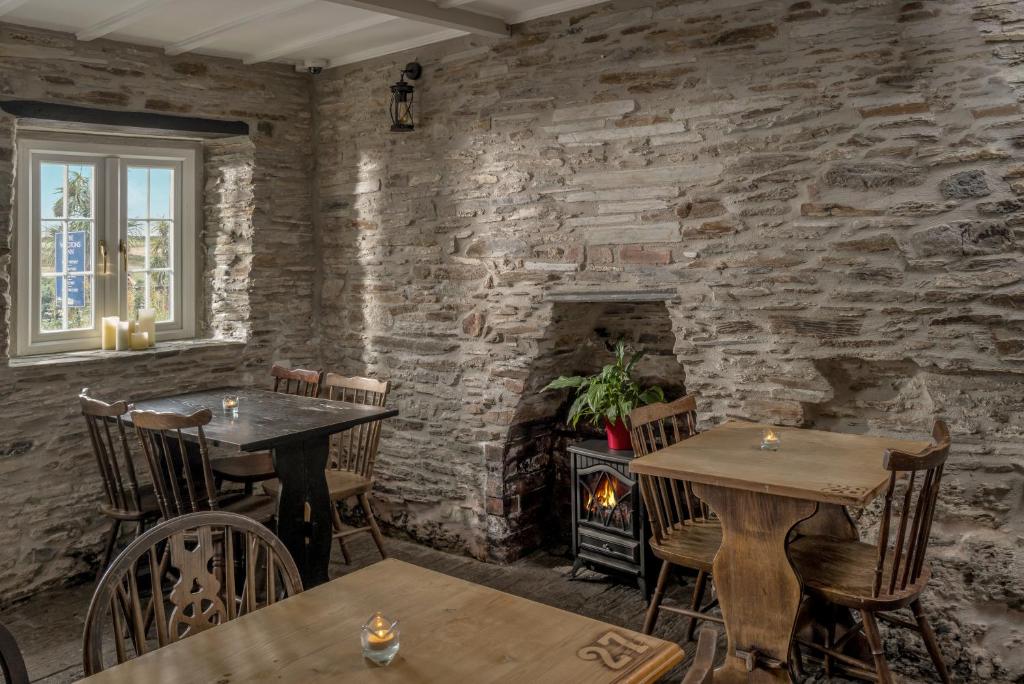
831 192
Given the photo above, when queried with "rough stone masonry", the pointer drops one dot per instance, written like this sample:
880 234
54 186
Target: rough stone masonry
834 190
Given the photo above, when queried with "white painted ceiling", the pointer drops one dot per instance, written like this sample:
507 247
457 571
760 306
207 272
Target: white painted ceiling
302 32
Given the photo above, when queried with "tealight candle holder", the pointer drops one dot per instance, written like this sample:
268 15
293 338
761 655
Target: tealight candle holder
380 639
230 405
770 440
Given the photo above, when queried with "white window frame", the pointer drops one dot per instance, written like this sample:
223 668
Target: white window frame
112 156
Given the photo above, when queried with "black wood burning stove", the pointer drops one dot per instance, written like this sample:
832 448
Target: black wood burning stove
609 526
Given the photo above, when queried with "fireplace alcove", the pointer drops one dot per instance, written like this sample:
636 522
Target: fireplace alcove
530 491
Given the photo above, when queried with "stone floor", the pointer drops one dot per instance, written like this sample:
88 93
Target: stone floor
48 627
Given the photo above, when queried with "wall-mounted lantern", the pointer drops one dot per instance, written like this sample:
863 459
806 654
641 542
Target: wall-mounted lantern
401 99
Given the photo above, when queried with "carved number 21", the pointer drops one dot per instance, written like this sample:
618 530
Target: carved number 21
610 661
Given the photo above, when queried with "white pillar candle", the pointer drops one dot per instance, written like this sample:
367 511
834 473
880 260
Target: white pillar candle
124 336
140 341
108 332
147 324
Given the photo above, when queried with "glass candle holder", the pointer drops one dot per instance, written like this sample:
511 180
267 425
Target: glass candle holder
380 639
770 440
230 405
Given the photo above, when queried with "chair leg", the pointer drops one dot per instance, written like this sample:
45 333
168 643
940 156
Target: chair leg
830 639
929 641
248 489
108 551
659 592
364 501
336 520
698 598
882 671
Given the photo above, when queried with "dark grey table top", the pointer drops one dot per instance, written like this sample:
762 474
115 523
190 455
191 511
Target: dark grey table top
265 419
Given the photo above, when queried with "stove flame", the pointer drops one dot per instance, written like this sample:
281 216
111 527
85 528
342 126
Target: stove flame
604 497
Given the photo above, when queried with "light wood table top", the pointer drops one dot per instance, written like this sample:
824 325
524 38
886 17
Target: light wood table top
451 631
828 467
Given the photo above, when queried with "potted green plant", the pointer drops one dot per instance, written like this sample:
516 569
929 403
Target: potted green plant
605 399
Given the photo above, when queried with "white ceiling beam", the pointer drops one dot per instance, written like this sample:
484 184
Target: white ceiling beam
7 6
429 13
120 20
556 7
315 39
208 36
445 4
389 48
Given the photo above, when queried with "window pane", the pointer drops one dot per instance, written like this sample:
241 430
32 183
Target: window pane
160 295
50 304
80 191
136 294
159 244
136 245
79 254
51 190
161 193
138 192
79 296
52 232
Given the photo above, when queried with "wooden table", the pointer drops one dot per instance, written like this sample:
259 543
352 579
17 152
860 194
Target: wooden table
451 631
296 430
760 496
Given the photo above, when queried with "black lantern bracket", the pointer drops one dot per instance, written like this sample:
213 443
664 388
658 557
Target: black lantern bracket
402 94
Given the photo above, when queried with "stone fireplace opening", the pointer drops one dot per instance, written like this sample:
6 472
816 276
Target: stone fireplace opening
530 492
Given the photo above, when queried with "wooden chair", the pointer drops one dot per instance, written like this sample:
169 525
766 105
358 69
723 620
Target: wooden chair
250 468
352 457
210 568
702 671
126 500
182 476
683 531
888 575
11 661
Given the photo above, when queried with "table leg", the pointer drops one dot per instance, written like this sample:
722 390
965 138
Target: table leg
758 589
303 510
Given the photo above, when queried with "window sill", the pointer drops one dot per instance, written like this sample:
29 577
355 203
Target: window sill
161 349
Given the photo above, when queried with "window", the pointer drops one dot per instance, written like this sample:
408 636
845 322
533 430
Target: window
106 227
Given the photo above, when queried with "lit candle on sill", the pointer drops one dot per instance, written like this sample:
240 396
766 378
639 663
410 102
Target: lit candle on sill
147 324
124 336
770 440
108 332
380 639
140 341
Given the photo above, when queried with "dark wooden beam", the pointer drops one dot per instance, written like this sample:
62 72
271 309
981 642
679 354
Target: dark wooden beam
80 117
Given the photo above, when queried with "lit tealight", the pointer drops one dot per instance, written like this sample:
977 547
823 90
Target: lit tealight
770 440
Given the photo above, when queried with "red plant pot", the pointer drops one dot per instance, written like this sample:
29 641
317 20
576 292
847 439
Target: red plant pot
618 435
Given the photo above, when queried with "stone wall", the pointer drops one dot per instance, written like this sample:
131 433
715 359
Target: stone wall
833 190
258 270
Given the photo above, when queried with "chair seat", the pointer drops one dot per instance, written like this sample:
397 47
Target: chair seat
693 545
843 572
150 508
340 483
259 507
246 468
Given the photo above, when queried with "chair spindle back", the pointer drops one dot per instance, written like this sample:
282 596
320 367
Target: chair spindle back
182 485
355 449
297 381
109 439
657 426
181 578
903 542
670 503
